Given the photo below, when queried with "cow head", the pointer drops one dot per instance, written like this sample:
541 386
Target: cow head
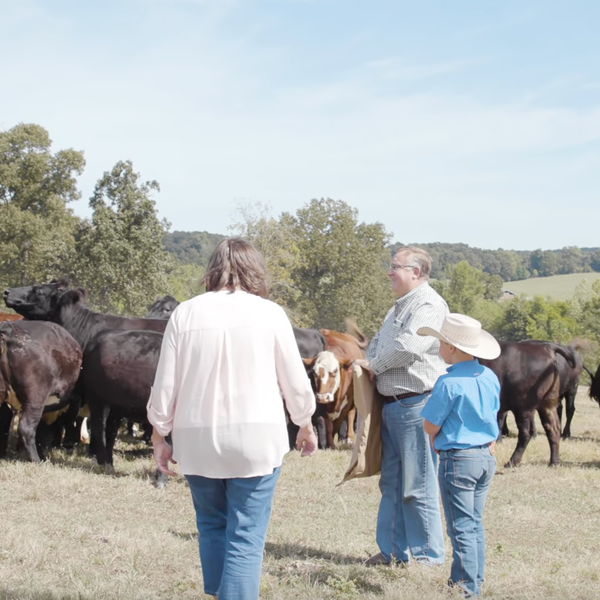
326 375
36 302
162 308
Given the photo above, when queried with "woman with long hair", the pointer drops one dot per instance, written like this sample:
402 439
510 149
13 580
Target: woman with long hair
227 358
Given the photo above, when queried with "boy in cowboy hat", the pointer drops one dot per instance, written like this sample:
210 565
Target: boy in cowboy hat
460 419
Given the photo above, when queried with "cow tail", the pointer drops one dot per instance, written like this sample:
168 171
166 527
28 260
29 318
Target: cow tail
567 353
555 382
584 368
57 405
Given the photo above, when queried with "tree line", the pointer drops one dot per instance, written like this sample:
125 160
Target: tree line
325 264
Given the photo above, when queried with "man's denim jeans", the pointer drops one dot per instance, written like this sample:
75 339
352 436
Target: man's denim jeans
232 516
465 477
409 520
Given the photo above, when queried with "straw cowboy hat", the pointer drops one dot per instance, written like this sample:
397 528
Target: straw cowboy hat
466 334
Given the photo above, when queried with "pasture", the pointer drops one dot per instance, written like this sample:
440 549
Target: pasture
72 532
559 287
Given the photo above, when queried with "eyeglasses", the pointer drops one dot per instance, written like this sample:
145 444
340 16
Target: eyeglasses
394 267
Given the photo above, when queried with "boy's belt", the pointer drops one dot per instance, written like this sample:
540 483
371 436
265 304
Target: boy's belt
390 399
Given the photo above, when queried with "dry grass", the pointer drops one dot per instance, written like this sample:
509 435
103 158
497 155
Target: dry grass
71 532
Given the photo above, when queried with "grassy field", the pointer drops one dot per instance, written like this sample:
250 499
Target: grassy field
559 287
72 532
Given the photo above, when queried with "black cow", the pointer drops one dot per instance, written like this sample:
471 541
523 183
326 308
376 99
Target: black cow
594 384
310 342
37 361
163 308
55 302
529 382
569 382
118 371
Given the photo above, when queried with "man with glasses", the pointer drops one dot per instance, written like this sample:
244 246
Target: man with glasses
406 366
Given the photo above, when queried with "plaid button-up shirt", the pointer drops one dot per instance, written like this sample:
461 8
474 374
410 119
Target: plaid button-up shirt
402 360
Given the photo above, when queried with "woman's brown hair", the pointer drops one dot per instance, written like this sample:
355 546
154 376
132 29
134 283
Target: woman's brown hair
236 264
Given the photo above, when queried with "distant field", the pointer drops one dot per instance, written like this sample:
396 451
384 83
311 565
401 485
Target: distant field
560 287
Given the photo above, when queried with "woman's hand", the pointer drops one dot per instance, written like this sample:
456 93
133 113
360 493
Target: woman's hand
306 441
163 454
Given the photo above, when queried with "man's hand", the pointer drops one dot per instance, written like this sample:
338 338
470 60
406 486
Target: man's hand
163 454
306 441
364 364
493 448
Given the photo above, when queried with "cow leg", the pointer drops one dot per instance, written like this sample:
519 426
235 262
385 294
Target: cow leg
350 420
98 435
502 426
30 417
319 419
113 423
72 428
329 433
551 424
570 406
44 437
6 417
523 419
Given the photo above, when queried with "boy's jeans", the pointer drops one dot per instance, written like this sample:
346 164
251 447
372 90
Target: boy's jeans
232 517
465 477
409 520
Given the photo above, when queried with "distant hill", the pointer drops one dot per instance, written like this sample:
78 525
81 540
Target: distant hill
191 247
560 287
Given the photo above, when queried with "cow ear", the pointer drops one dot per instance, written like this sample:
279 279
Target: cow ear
309 363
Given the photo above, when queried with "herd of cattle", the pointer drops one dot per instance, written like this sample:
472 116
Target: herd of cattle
60 360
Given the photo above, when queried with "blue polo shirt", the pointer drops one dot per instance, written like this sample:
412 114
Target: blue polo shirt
465 403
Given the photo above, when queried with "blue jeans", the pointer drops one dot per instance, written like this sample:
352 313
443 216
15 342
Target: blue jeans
409 520
232 516
465 477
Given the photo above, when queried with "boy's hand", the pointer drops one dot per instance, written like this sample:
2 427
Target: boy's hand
493 448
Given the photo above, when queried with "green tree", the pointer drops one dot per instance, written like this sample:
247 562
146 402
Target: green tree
185 281
571 260
36 227
545 262
121 258
343 266
278 243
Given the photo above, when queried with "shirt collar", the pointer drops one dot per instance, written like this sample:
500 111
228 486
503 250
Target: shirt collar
465 364
417 291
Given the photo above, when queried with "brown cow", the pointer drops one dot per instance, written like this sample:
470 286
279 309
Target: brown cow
39 366
332 375
9 317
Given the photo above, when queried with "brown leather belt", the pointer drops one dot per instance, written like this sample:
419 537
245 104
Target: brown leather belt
390 399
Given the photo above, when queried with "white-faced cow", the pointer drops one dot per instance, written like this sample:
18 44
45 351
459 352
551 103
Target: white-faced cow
39 367
332 374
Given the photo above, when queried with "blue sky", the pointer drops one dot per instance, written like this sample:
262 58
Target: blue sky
449 121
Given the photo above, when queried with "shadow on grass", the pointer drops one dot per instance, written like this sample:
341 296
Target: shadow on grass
297 552
188 537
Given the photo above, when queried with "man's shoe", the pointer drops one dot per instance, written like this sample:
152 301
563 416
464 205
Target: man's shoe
377 559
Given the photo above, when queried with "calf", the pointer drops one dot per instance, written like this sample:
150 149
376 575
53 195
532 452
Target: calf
332 376
39 366
529 382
